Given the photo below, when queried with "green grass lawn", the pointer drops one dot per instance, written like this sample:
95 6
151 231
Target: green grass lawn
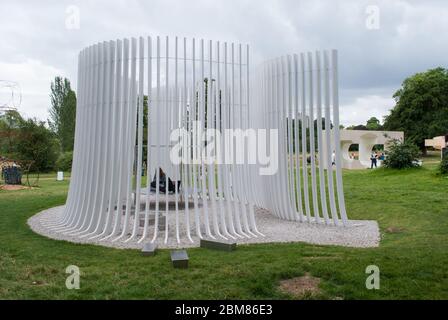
411 207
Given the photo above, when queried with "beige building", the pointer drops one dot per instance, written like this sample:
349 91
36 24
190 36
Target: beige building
366 141
437 143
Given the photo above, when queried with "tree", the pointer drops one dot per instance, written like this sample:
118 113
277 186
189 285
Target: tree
37 143
64 162
401 155
421 109
9 133
358 127
373 124
299 124
443 166
63 112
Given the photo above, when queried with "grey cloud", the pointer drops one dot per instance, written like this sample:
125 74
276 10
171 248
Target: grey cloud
412 35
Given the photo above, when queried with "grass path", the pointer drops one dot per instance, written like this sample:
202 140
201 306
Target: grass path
411 207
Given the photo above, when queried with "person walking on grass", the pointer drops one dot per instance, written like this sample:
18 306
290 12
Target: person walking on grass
373 160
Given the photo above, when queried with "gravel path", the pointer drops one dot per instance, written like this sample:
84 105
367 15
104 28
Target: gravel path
358 233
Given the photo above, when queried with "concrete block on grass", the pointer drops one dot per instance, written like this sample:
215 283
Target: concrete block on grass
149 249
179 258
218 244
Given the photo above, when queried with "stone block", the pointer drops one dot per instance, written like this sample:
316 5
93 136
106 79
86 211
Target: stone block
218 244
179 258
149 249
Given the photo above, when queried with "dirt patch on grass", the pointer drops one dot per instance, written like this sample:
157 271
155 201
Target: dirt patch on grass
395 230
13 187
300 287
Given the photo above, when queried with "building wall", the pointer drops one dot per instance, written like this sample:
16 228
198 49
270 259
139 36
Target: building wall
366 141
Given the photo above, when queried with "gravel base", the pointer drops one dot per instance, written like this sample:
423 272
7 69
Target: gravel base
358 233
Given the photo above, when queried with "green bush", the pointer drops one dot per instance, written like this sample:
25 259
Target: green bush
64 162
401 155
444 166
37 143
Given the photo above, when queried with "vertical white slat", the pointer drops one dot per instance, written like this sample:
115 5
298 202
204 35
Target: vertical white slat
138 171
85 146
195 93
246 169
193 167
226 167
186 182
69 202
106 167
131 147
280 190
89 145
176 109
79 137
80 211
290 154
204 189
261 98
267 124
266 102
240 168
321 149
297 138
99 171
272 121
219 144
276 125
82 184
100 146
94 176
268 87
166 106
282 179
87 211
115 188
335 98
114 210
287 196
312 142
304 119
210 125
156 107
249 175
234 176
150 114
79 117
115 138
122 154
328 140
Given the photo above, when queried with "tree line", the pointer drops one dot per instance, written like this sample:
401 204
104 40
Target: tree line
421 111
47 144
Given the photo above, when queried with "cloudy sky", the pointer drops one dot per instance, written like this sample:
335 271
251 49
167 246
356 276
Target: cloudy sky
380 42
